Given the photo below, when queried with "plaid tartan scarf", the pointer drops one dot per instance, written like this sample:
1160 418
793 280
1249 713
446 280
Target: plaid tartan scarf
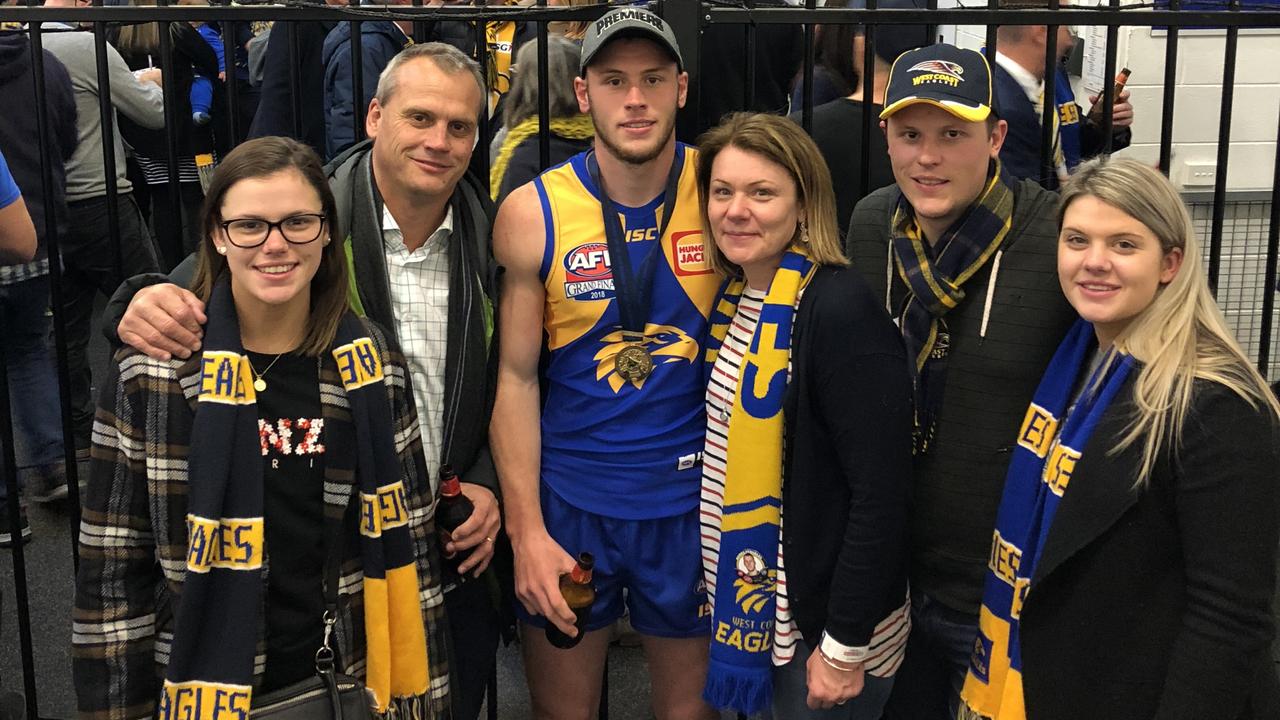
739 674
210 670
935 278
1050 444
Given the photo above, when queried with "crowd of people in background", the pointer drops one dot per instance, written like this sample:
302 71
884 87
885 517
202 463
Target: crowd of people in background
960 435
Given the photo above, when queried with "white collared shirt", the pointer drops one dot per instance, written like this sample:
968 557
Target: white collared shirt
1033 87
419 285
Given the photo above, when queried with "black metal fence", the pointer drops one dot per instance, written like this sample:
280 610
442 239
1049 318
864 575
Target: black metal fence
691 20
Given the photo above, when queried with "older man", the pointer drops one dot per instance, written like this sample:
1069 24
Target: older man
417 228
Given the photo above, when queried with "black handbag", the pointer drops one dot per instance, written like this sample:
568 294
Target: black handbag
327 695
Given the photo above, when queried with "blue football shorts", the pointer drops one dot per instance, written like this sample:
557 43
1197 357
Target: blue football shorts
656 564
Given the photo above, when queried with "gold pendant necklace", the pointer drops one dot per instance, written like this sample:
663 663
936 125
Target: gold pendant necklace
260 385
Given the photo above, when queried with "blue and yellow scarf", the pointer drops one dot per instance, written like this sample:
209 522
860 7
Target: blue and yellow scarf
740 672
1039 473
210 670
935 277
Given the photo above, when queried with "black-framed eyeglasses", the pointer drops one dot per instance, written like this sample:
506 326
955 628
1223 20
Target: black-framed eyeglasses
251 232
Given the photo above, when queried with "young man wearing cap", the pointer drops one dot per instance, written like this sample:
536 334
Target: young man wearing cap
607 278
964 257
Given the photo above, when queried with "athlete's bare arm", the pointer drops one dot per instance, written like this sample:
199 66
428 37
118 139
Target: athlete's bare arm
514 434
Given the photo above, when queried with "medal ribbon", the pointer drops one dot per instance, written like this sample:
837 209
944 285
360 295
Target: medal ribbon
633 290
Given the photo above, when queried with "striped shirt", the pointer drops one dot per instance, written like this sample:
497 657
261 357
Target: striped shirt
884 653
419 286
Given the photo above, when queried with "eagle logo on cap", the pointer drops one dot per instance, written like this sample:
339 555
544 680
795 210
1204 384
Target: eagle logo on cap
942 67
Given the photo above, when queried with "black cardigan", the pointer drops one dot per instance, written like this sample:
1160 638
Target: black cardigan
1157 603
848 464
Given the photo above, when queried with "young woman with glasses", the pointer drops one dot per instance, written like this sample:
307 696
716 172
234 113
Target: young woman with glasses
288 442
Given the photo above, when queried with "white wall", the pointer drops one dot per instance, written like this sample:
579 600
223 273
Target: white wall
1197 104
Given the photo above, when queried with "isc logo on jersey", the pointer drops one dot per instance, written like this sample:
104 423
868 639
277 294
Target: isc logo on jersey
588 274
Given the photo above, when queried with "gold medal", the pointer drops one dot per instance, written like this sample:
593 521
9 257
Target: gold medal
633 363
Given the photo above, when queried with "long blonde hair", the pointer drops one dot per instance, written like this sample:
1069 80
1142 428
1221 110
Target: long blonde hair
1181 336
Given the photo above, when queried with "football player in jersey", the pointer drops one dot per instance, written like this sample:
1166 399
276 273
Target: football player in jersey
607 275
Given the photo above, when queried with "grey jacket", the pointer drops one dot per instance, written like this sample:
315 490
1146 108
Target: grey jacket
141 102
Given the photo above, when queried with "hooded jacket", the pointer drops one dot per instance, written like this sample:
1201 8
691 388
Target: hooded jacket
19 139
380 40
1003 333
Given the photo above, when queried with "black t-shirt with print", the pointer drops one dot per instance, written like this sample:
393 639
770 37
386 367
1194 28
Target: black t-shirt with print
291 431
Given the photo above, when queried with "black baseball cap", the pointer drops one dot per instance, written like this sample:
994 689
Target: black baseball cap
945 76
627 22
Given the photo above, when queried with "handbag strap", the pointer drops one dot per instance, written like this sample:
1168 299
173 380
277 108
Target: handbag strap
332 571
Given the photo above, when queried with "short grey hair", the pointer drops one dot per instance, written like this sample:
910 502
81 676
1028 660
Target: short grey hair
562 68
447 58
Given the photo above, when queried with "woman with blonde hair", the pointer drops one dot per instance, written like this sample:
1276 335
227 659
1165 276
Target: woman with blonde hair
1133 564
808 419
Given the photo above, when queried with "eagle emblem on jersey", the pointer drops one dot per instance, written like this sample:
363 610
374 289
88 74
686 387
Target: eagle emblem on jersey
666 343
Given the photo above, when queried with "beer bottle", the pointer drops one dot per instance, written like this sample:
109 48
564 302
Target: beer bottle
578 591
453 510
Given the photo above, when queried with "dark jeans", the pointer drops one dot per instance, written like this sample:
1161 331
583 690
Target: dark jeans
927 686
33 386
473 631
88 265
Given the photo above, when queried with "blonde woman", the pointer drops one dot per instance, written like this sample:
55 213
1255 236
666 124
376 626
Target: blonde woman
808 446
1133 564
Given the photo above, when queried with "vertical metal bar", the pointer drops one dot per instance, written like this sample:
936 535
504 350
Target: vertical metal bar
106 117
357 77
544 96
16 551
931 30
1108 98
1273 259
52 246
419 27
749 78
229 60
806 95
1049 101
1170 89
482 57
991 34
170 134
295 78
1224 152
686 19
491 694
868 99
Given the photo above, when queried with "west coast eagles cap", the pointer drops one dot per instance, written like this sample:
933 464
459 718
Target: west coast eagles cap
958 81
627 22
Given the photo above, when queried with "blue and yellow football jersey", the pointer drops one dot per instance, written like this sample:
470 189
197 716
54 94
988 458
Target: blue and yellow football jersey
612 447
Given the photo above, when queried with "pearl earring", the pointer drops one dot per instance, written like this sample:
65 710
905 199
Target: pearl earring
222 249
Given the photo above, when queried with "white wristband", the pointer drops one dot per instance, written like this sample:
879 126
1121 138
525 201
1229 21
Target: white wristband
842 653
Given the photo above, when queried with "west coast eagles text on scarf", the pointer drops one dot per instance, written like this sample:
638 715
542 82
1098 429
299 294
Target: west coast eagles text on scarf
210 670
1039 475
739 675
